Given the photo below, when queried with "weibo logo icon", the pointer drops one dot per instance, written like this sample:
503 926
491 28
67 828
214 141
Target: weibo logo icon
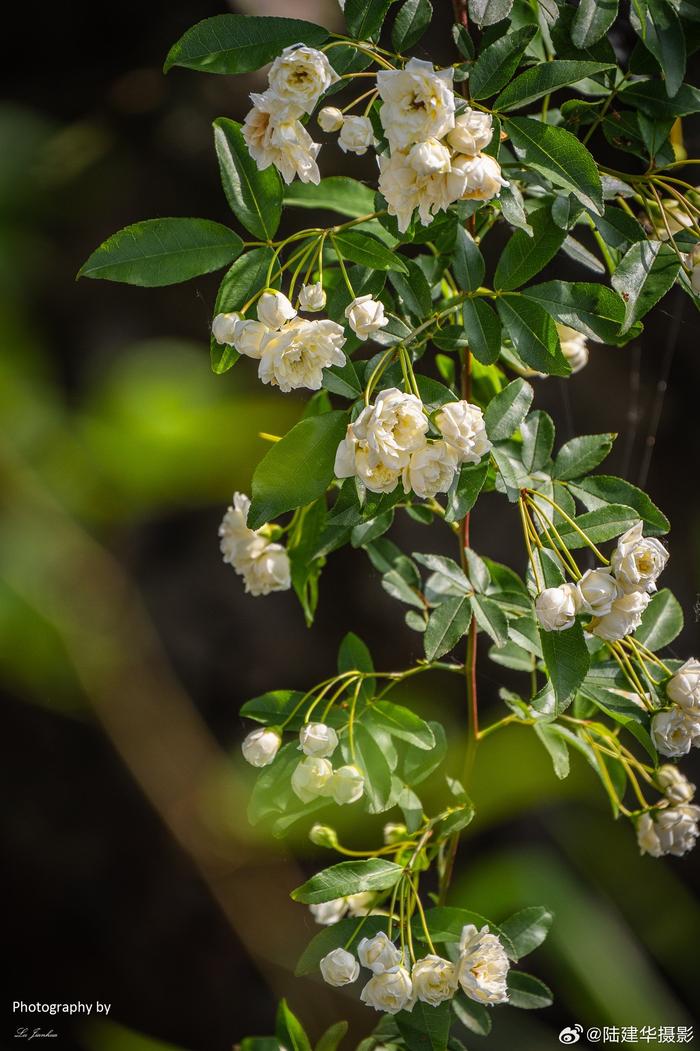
571 1034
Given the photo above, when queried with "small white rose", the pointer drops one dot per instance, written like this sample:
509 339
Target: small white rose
462 426
274 309
378 953
327 913
434 980
429 158
265 567
296 355
556 608
598 590
366 316
284 143
234 532
298 77
684 687
670 831
674 784
482 176
312 297
393 428
223 327
574 346
356 135
330 118
339 968
346 785
472 132
624 617
430 470
637 560
674 732
261 746
483 966
418 103
249 338
318 739
390 991
311 777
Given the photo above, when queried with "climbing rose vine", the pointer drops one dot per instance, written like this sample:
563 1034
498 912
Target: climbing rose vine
419 360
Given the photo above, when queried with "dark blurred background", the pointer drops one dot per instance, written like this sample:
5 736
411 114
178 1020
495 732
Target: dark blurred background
126 646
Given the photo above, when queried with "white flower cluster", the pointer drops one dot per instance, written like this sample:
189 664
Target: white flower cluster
435 153
672 828
615 596
272 129
264 565
481 971
292 351
677 729
388 442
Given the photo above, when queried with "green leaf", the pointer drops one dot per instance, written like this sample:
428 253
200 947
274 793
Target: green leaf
446 626
603 524
544 78
537 433
241 281
348 877
528 928
650 97
296 469
329 1040
527 992
490 618
498 62
643 276
373 763
163 252
403 723
336 193
255 196
413 289
566 656
662 34
533 333
483 330
467 262
581 455
474 1016
508 409
448 569
590 308
274 708
367 251
425 1028
560 156
419 763
365 18
463 494
240 43
662 621
524 255
412 20
289 1030
489 12
353 655
340 934
592 20
556 747
598 490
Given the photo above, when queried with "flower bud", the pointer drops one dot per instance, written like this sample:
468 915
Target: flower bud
472 132
429 158
598 590
318 739
223 328
365 316
394 832
379 953
556 608
330 118
674 784
390 991
261 746
312 297
327 913
339 968
274 309
248 338
574 346
346 785
324 836
311 777
684 687
356 135
624 617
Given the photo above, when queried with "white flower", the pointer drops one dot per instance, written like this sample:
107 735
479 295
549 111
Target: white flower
330 118
296 356
234 532
261 746
430 470
670 831
638 560
312 297
286 144
573 346
482 176
365 316
318 739
624 617
354 459
346 785
274 309
598 590
674 784
379 953
248 338
265 567
356 135
310 778
326 913
360 904
298 77
556 608
418 103
394 832
390 991
472 132
223 327
405 190
339 967
482 969
429 158
684 687
434 980
462 426
674 732
394 427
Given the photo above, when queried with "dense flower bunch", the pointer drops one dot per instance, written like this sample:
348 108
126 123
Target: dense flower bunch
417 341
